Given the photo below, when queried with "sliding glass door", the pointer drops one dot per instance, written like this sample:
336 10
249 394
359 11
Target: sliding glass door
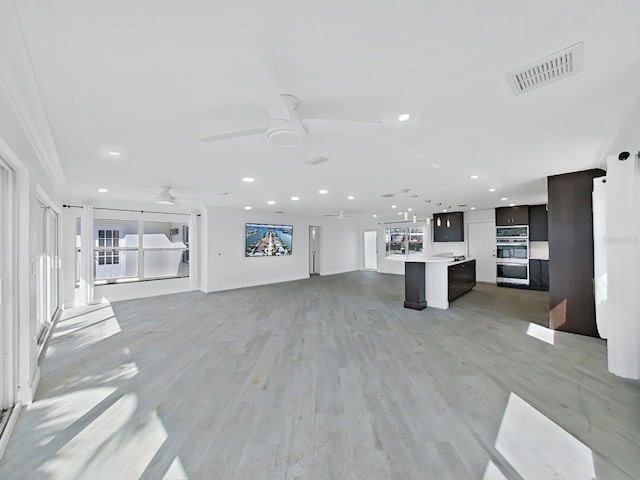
8 367
46 252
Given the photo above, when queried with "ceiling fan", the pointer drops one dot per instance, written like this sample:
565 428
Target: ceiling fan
340 215
165 197
286 129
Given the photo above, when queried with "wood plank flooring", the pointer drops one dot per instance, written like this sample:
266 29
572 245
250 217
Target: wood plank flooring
325 378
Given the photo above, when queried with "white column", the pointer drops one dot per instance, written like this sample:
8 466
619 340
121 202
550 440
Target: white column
86 255
600 253
623 265
194 251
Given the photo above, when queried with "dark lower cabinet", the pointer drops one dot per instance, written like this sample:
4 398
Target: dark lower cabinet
462 278
539 274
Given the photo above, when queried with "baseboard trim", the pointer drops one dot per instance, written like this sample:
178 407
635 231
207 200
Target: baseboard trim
42 348
338 272
25 395
8 428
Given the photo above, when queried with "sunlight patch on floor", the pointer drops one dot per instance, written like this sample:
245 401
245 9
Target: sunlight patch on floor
539 449
541 333
493 473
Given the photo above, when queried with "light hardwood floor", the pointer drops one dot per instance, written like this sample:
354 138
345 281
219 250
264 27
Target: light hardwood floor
325 378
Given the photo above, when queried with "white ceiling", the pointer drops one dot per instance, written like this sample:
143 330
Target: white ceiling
149 78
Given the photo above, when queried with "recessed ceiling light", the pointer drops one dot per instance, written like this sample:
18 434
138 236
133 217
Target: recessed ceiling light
103 190
409 209
247 207
405 116
473 177
351 197
115 153
492 189
295 199
399 213
512 204
271 202
444 209
375 216
248 179
394 206
504 198
323 191
473 208
165 202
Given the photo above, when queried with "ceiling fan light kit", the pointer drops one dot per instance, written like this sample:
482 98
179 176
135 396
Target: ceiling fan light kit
285 134
286 129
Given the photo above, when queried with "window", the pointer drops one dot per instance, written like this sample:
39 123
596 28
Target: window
115 250
395 241
416 241
164 247
404 241
120 256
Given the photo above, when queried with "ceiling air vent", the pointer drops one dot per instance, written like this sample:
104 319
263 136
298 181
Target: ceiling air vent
388 195
546 70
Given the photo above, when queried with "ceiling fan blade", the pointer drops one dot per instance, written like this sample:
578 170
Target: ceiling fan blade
319 126
266 91
235 134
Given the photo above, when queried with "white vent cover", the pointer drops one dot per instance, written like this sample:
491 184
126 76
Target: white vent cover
546 70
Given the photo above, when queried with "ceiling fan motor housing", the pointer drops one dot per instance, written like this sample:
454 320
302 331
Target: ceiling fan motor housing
285 134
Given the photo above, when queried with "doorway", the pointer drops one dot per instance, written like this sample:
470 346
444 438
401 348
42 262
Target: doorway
482 247
371 250
314 250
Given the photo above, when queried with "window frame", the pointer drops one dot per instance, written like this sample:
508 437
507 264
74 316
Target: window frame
406 231
112 224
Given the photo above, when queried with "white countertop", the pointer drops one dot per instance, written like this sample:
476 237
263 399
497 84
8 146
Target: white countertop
423 259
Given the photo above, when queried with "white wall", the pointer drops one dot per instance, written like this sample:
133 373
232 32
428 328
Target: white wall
226 267
339 246
26 143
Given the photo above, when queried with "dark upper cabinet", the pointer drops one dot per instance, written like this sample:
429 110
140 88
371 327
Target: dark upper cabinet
448 227
538 224
509 216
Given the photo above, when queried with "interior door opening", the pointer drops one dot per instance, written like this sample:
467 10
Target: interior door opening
314 250
371 250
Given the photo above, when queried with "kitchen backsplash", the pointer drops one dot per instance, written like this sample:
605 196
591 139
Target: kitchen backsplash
539 250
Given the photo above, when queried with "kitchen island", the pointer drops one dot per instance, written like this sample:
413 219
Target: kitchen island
435 281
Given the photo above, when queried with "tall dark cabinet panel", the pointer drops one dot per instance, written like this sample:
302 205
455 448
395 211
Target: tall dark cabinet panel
571 299
538 226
